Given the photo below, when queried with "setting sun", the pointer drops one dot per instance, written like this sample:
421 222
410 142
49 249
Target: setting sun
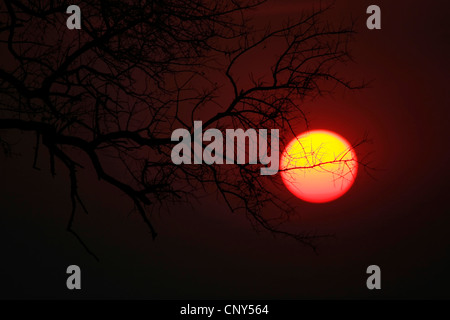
318 166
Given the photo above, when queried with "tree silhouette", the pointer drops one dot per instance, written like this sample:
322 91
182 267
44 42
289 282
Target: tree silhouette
114 91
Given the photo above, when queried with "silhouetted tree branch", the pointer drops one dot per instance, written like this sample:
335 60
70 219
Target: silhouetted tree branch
140 69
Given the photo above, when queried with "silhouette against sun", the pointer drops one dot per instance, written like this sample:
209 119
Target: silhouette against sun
318 166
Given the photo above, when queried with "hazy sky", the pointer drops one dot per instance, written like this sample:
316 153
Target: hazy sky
396 220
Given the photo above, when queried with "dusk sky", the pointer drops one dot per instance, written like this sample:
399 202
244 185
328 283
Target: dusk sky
394 216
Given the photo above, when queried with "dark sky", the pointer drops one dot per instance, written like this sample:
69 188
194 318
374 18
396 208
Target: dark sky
397 220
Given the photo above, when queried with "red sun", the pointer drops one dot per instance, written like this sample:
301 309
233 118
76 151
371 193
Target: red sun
318 166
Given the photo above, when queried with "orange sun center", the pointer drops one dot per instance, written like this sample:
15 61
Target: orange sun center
318 166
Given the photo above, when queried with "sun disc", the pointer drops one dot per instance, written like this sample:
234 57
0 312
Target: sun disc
318 166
